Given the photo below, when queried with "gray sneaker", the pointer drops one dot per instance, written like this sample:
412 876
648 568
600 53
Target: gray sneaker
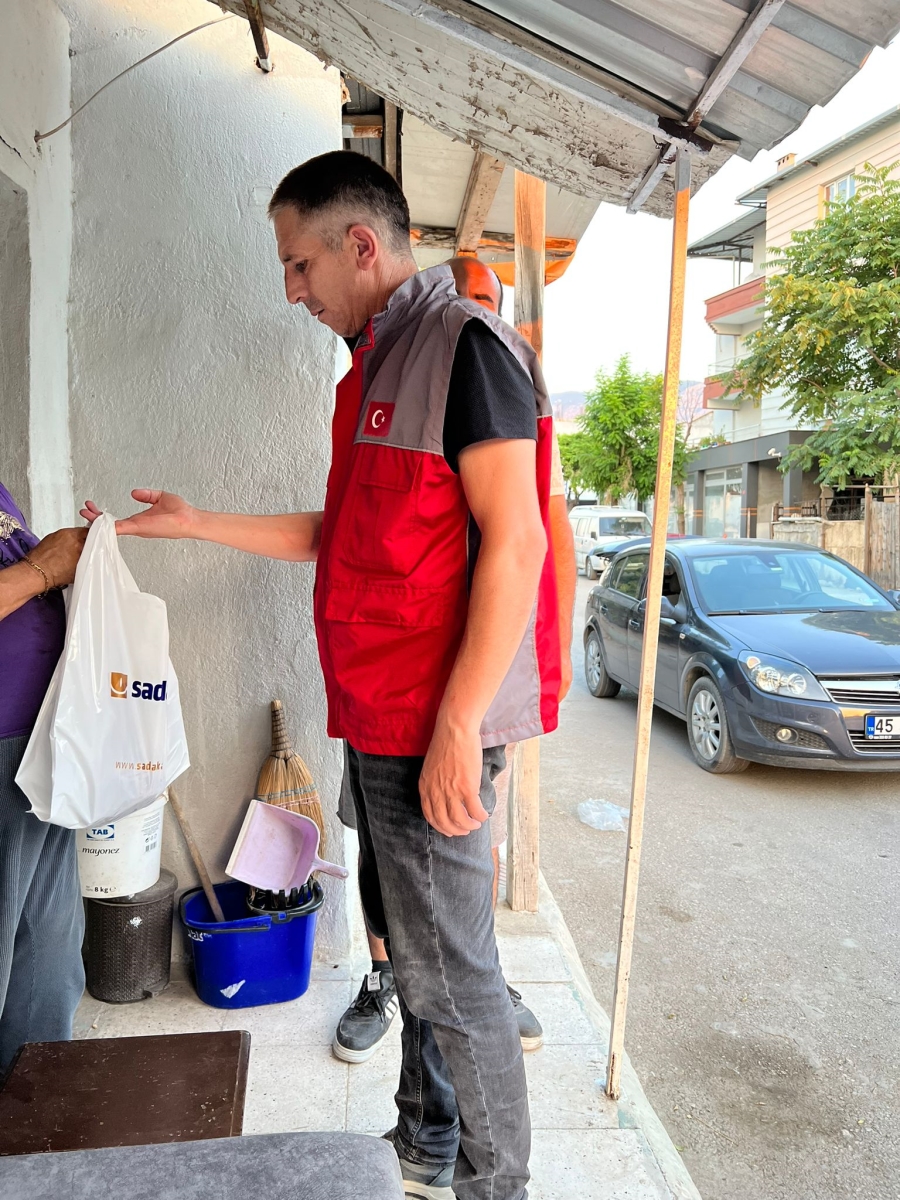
531 1032
423 1182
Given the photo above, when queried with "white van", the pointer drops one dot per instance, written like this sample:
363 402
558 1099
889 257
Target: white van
596 524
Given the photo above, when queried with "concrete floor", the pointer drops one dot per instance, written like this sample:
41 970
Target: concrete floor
584 1146
765 1000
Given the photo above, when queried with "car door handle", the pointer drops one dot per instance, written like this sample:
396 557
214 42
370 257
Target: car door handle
633 624
602 608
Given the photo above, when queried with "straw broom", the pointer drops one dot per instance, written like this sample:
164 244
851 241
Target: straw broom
284 779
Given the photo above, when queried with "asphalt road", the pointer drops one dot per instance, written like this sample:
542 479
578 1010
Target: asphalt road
764 1017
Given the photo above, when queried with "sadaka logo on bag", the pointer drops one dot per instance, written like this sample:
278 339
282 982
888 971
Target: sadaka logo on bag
118 688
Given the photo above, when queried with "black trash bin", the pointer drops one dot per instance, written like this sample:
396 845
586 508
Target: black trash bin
128 943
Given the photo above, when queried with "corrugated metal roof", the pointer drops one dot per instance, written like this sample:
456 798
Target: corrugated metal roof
756 196
585 93
669 49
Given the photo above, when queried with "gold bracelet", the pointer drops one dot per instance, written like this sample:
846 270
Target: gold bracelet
35 567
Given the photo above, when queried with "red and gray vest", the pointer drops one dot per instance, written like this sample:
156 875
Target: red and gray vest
394 569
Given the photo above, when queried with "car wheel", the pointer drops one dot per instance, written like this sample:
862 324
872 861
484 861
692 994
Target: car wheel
599 683
707 728
589 568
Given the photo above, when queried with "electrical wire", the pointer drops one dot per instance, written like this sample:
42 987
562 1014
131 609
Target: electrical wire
40 137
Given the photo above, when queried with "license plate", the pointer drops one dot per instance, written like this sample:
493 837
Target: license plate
882 729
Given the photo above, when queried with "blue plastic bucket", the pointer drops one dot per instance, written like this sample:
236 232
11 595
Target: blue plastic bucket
250 959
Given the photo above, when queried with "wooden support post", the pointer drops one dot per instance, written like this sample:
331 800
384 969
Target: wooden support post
523 845
260 38
867 531
530 251
484 179
391 142
668 425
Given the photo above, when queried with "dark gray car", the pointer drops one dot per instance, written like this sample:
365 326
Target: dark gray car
770 651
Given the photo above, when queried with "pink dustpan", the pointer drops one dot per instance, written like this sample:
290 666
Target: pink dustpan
278 850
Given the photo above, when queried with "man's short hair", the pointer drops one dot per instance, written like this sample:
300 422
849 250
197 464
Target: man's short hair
349 184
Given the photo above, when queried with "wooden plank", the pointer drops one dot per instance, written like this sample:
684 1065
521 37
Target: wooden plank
647 682
391 145
523 846
254 15
362 125
531 225
484 179
442 237
126 1091
523 828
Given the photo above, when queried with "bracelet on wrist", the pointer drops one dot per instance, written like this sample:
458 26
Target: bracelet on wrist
40 570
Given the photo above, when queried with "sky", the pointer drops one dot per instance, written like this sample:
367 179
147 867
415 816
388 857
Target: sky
613 299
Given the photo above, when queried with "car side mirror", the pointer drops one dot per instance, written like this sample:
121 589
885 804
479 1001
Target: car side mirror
894 595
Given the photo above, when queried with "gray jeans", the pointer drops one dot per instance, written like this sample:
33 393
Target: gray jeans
41 919
429 896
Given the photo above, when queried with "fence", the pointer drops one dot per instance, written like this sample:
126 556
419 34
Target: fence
861 525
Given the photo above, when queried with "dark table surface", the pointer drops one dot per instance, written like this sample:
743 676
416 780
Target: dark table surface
124 1092
278 1166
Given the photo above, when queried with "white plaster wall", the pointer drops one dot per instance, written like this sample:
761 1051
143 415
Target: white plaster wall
190 372
34 95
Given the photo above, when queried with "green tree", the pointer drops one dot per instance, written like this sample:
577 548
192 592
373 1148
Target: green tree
830 337
573 451
620 428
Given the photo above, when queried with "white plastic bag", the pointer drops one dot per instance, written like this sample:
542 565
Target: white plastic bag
109 737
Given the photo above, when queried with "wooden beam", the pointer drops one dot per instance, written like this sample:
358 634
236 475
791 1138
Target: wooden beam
754 26
362 125
531 227
260 38
647 681
391 144
440 237
484 179
523 828
523 844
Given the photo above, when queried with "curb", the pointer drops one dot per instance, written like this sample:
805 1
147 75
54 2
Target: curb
635 1110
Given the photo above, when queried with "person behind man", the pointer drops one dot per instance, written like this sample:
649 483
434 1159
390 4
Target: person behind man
364 1025
41 915
438 636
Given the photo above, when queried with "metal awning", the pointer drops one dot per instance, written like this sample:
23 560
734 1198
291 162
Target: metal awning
733 241
594 96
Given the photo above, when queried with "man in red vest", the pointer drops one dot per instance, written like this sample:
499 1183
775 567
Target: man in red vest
438 632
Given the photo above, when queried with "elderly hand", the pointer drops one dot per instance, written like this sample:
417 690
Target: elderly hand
167 517
58 554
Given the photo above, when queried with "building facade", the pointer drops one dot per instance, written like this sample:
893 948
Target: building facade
735 488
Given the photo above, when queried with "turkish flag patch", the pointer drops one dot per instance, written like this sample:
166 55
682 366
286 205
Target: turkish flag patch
378 419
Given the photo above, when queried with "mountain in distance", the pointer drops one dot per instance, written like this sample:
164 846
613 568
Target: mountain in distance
569 406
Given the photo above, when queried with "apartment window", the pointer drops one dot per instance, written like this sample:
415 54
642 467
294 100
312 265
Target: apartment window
840 190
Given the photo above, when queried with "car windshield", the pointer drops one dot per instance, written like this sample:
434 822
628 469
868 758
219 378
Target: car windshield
634 525
763 581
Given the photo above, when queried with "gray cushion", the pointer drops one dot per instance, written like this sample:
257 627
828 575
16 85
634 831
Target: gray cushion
276 1166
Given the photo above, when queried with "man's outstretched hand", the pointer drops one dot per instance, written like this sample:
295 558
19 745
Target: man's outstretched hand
167 517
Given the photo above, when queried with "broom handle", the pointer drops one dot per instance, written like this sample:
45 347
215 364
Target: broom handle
211 898
281 743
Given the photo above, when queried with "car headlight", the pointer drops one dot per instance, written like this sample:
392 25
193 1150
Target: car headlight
780 677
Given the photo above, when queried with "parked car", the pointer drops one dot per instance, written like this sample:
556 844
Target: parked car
599 557
771 652
595 525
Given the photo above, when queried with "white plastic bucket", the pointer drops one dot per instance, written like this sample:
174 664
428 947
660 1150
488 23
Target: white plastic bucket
122 858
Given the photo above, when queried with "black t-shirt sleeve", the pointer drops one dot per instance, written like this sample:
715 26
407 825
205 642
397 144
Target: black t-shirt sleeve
490 395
